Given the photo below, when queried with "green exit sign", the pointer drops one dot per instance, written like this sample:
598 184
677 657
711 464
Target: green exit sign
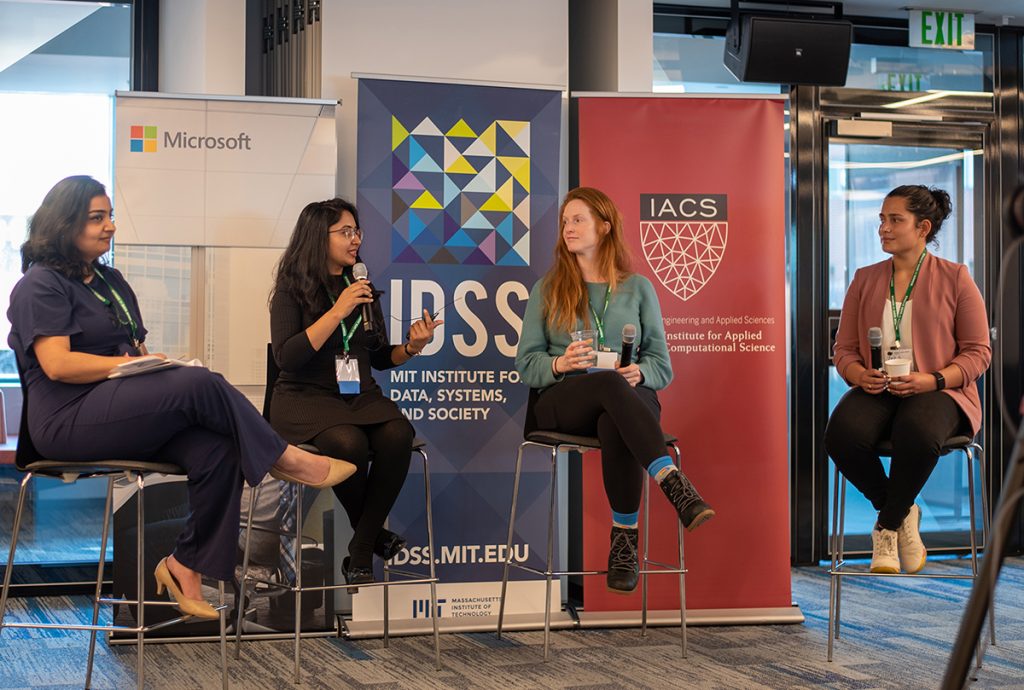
941 29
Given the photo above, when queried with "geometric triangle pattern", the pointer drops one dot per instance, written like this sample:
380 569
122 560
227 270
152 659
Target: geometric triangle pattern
479 176
684 256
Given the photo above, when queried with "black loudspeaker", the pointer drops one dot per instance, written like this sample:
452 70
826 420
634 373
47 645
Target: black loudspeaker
780 50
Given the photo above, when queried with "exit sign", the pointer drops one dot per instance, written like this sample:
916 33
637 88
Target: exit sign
941 29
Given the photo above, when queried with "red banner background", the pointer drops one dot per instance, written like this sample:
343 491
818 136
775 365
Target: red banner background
728 408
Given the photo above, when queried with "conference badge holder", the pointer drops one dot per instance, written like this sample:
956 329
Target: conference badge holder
347 371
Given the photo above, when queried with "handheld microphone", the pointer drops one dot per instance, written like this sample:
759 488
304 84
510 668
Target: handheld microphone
359 272
875 341
628 336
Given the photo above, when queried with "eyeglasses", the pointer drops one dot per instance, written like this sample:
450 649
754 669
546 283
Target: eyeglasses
348 232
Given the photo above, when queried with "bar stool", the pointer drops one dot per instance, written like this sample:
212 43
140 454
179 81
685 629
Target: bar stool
555 443
407 577
838 569
31 462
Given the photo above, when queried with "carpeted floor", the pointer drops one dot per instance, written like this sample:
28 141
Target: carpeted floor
897 634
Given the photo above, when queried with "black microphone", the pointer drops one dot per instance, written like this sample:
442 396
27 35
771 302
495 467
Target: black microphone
628 336
359 272
875 341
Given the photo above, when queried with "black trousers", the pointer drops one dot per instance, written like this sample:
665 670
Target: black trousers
625 419
369 494
917 426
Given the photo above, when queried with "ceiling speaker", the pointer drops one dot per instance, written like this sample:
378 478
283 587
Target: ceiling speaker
782 50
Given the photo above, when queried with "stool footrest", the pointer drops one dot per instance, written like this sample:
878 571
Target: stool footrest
929 576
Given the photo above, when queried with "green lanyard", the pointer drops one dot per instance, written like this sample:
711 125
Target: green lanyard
130 323
346 333
897 317
599 320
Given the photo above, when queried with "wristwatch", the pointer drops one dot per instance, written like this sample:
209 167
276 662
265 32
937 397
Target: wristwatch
940 380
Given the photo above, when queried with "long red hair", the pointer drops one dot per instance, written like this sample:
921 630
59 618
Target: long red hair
565 291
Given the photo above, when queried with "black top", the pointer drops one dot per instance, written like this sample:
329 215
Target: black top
306 400
46 303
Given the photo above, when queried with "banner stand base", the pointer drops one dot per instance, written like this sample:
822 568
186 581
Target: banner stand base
518 622
782 615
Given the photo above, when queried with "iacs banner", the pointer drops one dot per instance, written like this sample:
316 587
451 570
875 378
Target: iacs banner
458 197
701 186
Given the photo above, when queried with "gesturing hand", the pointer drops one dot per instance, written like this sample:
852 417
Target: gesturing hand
422 332
359 292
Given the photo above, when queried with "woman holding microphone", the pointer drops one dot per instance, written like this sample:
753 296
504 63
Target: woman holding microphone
933 320
591 286
326 394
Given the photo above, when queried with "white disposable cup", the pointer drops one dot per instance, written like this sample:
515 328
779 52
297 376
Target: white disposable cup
897 367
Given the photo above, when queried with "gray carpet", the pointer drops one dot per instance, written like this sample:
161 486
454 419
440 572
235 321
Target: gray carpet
897 634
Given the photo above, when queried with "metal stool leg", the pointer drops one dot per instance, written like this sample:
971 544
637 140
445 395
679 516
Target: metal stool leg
387 601
242 587
140 579
833 577
842 555
430 546
682 566
968 451
986 520
551 550
223 637
508 544
99 579
647 536
298 580
14 546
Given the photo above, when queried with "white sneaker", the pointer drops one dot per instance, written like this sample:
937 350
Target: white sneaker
912 552
884 558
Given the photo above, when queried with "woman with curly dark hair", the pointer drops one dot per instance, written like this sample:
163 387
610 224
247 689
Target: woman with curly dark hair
73 321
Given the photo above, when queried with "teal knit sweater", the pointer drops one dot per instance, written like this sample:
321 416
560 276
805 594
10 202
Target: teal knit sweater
633 301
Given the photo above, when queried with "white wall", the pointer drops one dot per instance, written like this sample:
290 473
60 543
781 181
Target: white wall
202 46
521 42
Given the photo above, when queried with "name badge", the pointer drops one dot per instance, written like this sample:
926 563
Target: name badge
899 353
347 371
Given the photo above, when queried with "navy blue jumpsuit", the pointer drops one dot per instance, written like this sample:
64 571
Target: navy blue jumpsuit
188 416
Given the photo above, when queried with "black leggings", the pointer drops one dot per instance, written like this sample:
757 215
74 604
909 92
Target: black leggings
625 419
368 495
917 425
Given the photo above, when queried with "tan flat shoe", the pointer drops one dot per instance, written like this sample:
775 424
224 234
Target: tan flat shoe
192 607
337 472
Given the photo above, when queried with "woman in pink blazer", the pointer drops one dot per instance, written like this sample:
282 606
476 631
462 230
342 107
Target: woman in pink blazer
931 313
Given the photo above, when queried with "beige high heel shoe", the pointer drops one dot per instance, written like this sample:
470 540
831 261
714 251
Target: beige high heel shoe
337 472
192 607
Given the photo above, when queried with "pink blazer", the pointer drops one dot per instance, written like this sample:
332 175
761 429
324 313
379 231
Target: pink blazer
949 325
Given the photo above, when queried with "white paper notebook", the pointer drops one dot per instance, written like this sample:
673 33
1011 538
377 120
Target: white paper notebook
149 364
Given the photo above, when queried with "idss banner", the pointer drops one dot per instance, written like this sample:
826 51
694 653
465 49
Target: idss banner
457 197
700 182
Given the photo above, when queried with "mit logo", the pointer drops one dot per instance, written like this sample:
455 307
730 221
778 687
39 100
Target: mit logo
684 238
421 608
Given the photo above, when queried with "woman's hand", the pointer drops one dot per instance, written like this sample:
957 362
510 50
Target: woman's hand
422 332
911 384
359 292
579 356
631 374
873 381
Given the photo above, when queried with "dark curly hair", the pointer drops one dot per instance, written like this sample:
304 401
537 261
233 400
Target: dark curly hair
926 204
61 218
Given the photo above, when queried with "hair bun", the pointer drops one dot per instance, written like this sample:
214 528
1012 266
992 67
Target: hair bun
943 201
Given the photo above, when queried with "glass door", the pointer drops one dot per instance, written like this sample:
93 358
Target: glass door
860 172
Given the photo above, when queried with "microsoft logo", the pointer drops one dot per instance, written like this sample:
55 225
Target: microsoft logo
143 139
